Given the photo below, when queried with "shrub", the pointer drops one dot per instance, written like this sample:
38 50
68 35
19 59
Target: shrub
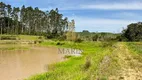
38 41
67 56
59 43
8 38
133 32
62 38
40 37
78 40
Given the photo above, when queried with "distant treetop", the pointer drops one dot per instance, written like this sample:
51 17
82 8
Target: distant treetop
85 31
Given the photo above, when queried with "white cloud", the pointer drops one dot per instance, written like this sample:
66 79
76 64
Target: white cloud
127 15
133 5
115 6
104 25
103 6
102 21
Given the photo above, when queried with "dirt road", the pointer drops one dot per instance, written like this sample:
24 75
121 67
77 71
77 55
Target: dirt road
131 68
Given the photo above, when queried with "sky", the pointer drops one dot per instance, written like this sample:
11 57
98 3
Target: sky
93 15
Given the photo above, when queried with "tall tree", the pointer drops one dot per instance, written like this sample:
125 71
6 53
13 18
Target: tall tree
2 14
22 18
15 15
32 21
9 10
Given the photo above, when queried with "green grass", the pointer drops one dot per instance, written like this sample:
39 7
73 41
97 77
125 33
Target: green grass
136 50
135 46
16 44
85 67
28 37
23 37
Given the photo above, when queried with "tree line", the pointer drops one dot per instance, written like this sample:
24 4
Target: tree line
133 32
98 36
32 21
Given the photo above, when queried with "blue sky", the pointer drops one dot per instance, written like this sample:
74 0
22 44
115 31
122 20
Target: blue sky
92 15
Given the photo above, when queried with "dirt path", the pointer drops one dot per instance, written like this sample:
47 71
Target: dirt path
131 68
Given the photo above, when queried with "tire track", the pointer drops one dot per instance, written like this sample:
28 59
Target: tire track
130 67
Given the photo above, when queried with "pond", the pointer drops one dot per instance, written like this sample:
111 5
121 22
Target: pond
20 64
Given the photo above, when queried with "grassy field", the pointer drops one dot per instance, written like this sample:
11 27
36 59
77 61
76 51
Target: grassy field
86 67
17 42
136 50
22 37
28 37
99 60
129 58
136 47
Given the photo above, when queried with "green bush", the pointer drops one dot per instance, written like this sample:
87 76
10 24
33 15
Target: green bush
8 38
59 43
40 37
133 32
78 40
87 63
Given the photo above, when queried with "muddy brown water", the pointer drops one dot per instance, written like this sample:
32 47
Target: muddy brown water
20 64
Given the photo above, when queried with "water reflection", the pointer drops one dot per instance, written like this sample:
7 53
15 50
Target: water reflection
20 64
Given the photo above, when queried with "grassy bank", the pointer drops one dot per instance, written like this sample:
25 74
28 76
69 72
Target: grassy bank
135 46
18 42
14 47
136 50
19 37
86 67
